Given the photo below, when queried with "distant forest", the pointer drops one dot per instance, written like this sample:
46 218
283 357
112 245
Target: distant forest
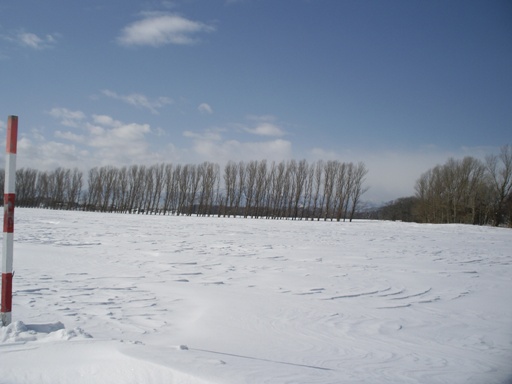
329 190
466 191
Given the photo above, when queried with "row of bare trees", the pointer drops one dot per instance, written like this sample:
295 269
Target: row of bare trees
299 190
461 191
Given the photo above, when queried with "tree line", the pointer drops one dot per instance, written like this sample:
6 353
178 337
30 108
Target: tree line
293 189
467 191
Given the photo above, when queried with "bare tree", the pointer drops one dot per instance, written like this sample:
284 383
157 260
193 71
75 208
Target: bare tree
240 187
121 190
135 195
499 169
182 176
300 173
195 176
93 189
230 177
201 205
210 174
289 189
57 185
159 186
358 188
171 193
342 191
42 188
470 178
453 192
213 181
423 194
107 182
308 193
74 189
153 187
330 172
276 189
250 186
26 179
261 187
317 184
350 176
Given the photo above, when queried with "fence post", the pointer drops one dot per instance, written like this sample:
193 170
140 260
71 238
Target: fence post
9 202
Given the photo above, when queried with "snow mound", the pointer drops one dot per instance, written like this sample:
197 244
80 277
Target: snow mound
19 332
88 361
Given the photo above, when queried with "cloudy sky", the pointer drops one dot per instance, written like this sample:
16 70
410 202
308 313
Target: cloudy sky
401 85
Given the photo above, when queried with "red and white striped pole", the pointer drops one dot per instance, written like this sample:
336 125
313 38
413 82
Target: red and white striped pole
9 200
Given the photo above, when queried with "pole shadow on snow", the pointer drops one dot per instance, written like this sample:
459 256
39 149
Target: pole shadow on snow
261 359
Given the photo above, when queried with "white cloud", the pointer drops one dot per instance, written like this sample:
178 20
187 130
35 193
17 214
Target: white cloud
264 126
106 121
205 108
34 41
116 135
105 140
275 150
159 131
140 101
37 152
95 130
207 135
131 132
67 117
222 152
157 29
219 144
70 136
266 129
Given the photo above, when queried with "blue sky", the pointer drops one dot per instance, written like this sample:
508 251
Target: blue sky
401 85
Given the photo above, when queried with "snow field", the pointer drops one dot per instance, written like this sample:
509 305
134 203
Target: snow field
162 299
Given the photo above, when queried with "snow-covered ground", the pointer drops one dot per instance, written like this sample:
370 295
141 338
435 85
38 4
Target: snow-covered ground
114 298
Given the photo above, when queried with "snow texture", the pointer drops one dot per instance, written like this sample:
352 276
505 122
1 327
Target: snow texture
114 298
